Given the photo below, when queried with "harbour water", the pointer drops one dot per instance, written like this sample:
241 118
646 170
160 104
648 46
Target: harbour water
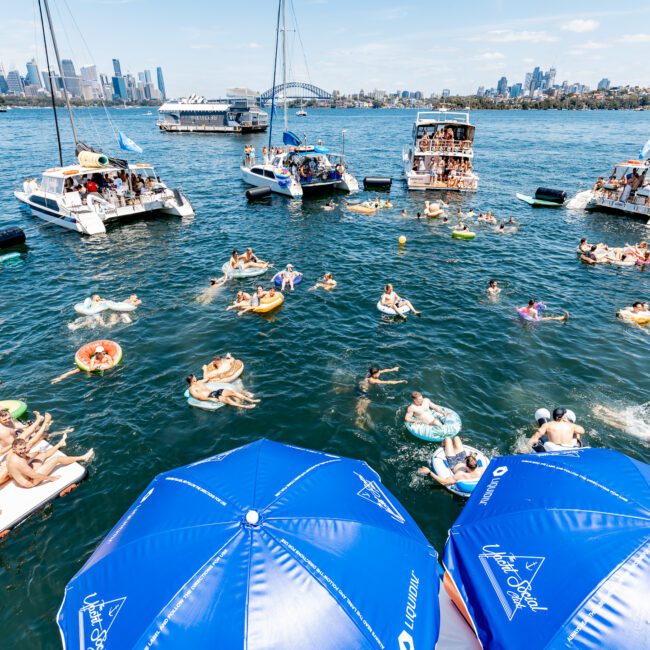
465 352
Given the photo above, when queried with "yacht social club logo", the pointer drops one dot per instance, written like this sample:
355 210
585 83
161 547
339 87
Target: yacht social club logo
373 493
96 618
512 578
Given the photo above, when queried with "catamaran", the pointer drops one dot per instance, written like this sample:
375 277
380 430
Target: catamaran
297 167
441 152
98 188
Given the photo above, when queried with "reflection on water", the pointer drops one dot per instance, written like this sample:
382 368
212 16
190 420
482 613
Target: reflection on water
303 361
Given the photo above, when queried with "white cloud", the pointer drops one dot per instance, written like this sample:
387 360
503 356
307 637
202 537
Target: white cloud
581 25
200 46
491 56
254 46
594 45
511 36
635 38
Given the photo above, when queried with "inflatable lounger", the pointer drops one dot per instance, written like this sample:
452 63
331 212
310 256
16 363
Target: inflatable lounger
212 385
250 272
17 503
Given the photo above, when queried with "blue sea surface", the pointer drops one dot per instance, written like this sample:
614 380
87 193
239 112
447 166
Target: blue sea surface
465 352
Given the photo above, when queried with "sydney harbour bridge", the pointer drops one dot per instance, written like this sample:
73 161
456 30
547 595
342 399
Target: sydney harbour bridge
295 90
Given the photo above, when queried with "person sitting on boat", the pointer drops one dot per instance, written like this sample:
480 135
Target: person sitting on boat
28 469
230 396
463 466
288 276
425 143
327 282
419 164
100 359
560 432
219 367
422 409
390 299
242 299
449 139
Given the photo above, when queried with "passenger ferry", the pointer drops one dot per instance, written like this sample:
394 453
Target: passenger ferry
196 114
441 153
627 190
120 190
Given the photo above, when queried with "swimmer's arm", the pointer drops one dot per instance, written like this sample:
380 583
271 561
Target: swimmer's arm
437 409
578 430
388 381
537 435
395 369
409 415
425 471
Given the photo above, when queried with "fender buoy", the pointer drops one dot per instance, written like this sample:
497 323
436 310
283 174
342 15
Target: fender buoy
67 490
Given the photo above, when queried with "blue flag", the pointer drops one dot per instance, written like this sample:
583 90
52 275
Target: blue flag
127 144
645 151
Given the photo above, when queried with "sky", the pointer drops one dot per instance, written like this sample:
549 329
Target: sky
207 46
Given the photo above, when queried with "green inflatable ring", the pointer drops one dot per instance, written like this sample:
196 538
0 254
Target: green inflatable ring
14 406
462 234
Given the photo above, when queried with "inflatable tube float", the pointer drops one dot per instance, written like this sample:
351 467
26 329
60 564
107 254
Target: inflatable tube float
250 272
389 311
86 308
235 373
5 257
639 317
622 262
441 469
385 205
524 315
85 352
15 407
120 306
450 427
432 214
462 234
277 279
269 304
17 503
203 404
362 209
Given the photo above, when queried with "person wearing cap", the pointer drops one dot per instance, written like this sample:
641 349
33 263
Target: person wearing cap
288 276
561 434
100 359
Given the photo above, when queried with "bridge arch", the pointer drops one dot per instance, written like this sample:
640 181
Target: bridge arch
296 90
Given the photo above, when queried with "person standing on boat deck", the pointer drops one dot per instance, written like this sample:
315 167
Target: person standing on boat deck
26 185
252 154
265 155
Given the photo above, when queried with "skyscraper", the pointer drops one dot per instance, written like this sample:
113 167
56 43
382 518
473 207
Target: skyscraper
4 88
161 82
604 84
117 68
515 91
147 76
33 77
119 89
445 93
71 78
502 86
15 83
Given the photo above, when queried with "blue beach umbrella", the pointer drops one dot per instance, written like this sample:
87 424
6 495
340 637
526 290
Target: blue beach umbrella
265 546
553 551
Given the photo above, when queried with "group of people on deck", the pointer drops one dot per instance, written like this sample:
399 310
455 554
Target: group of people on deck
114 187
446 171
443 139
20 458
624 188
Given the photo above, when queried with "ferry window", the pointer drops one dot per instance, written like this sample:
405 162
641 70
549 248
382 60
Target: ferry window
52 185
268 173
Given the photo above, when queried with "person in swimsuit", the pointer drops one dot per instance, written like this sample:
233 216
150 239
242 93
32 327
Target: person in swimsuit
242 300
253 303
288 276
391 300
29 469
219 367
250 260
422 409
532 310
100 359
493 289
11 429
199 390
374 377
560 432
327 282
463 466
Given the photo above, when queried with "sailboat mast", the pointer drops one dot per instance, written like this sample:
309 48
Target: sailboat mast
284 63
58 60
51 78
275 66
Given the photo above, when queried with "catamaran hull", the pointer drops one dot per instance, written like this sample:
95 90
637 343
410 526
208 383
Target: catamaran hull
295 190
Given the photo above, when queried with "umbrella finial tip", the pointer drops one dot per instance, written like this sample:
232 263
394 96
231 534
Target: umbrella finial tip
252 517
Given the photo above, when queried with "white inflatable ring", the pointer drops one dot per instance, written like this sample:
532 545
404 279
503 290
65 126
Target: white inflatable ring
250 272
389 311
441 469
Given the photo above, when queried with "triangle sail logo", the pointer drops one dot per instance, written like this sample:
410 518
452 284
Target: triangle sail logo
373 493
96 618
512 578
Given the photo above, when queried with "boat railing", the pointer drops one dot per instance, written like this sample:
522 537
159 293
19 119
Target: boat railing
442 116
614 193
463 147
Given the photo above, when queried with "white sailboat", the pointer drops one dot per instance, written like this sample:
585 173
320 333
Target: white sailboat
296 167
98 188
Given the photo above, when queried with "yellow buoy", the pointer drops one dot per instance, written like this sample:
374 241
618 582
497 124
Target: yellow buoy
402 240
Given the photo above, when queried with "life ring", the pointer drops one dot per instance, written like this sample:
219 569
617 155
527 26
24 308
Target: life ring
639 317
450 427
441 469
462 234
269 304
250 272
340 169
85 353
277 279
234 374
305 172
389 311
16 407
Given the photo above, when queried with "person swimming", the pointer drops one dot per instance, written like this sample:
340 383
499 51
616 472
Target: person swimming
327 282
493 288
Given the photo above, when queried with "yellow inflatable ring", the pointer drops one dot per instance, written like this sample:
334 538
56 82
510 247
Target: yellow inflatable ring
268 304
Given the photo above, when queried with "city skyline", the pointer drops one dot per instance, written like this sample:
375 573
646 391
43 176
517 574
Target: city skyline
389 48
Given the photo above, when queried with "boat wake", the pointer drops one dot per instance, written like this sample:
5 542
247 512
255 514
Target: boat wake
580 200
